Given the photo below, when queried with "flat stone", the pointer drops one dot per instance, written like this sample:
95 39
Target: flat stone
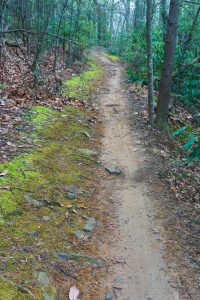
48 291
33 202
88 228
71 195
119 280
32 233
43 279
79 234
87 152
110 296
45 219
114 170
81 257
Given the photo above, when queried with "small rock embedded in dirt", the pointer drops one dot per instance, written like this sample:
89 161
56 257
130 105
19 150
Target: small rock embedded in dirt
33 202
114 171
32 233
89 227
87 152
81 257
45 219
48 291
72 193
110 296
118 281
79 234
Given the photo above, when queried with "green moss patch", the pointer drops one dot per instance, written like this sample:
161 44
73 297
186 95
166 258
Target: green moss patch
111 57
37 219
81 87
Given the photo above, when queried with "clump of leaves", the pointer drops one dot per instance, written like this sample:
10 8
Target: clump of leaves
190 138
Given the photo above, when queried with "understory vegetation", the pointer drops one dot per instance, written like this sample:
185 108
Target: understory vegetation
49 127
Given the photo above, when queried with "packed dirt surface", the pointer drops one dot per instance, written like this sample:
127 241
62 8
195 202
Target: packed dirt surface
138 271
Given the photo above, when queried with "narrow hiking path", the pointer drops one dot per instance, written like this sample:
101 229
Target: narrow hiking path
66 222
138 272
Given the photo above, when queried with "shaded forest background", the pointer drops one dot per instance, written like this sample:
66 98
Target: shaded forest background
42 40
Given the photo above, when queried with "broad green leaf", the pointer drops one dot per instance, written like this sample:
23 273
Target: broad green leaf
190 143
195 154
176 132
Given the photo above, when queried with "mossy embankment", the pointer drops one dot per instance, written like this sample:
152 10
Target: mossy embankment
112 57
81 87
44 192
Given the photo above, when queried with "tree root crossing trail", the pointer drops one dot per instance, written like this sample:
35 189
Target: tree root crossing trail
141 274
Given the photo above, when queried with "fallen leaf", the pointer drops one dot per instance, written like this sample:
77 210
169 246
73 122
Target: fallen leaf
81 206
73 293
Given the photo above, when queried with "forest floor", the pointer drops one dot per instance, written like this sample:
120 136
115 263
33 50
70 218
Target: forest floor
83 210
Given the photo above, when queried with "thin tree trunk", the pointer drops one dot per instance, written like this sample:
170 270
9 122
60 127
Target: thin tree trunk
70 43
58 32
2 7
150 61
166 77
164 17
127 17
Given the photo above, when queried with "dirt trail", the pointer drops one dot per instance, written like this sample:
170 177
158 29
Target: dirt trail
143 274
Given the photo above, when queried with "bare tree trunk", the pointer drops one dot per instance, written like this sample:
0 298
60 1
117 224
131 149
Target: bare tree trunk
58 32
139 13
70 43
127 17
164 14
150 61
166 77
2 7
99 21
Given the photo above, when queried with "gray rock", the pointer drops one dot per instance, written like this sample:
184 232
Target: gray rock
45 219
48 291
91 220
79 234
43 279
114 170
88 228
81 257
33 202
32 233
110 296
87 152
71 195
119 280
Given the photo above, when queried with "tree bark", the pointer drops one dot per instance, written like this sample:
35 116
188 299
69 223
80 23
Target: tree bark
166 77
164 14
150 61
